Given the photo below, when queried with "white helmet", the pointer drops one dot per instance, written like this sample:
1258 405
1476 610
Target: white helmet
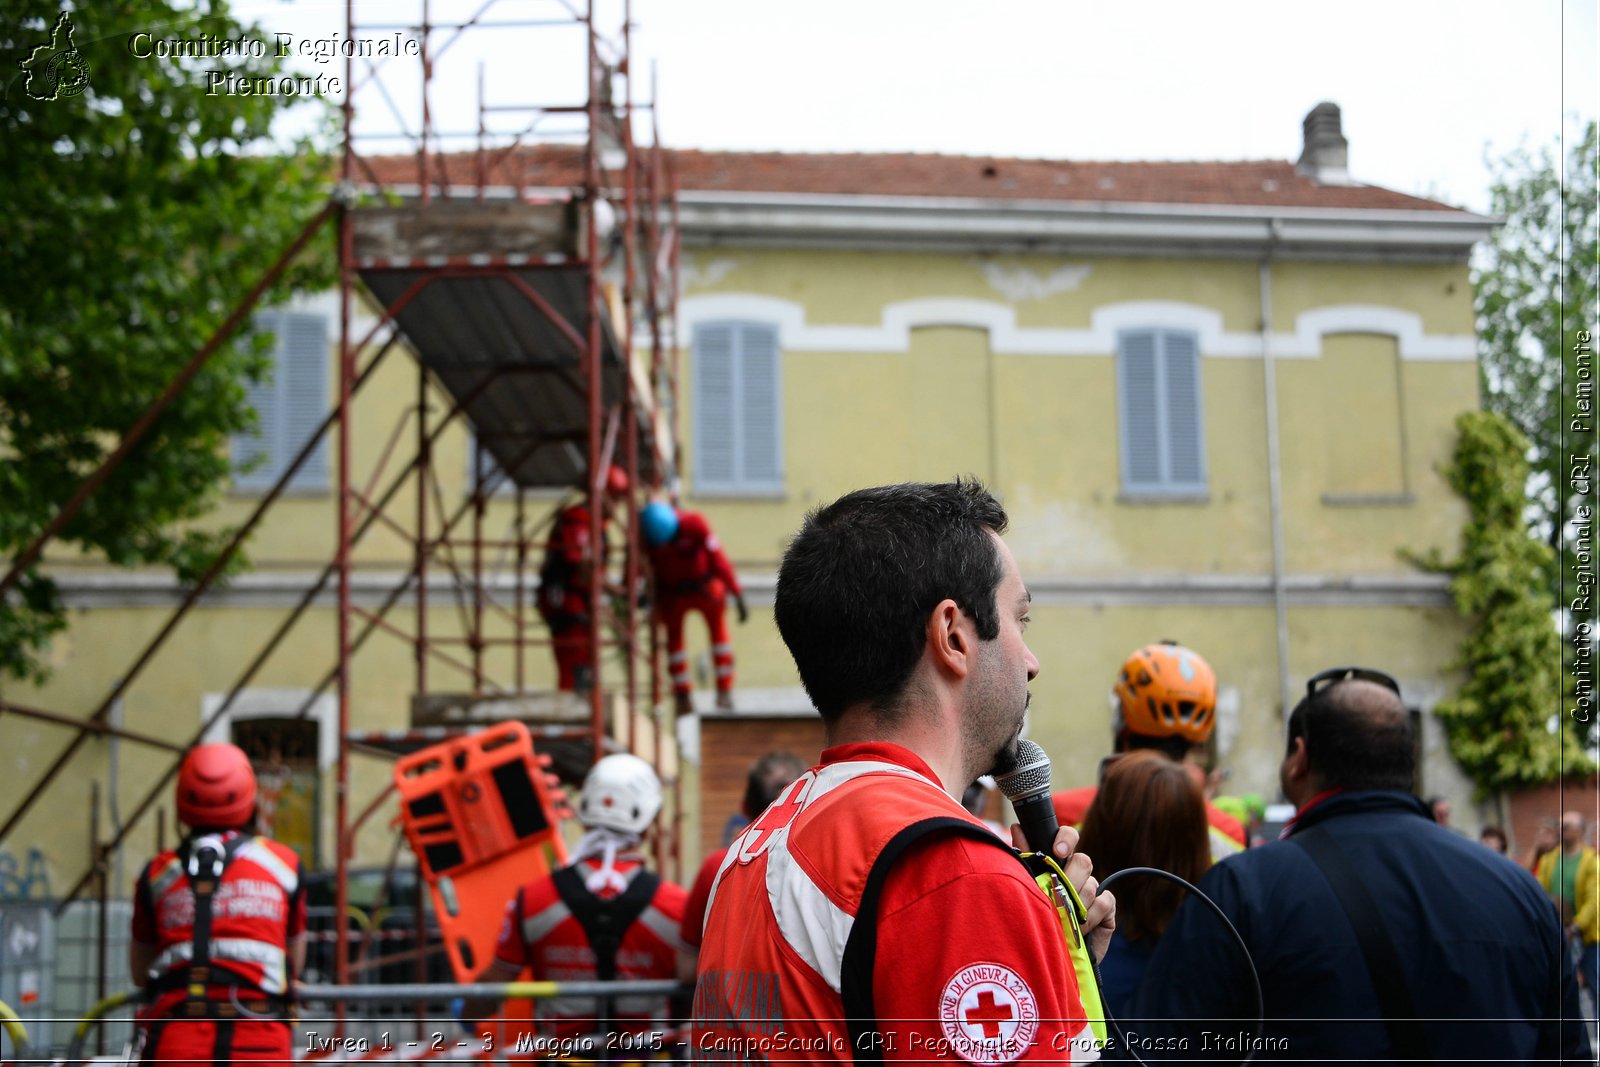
621 792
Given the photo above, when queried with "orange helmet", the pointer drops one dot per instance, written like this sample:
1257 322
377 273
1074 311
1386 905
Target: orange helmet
616 481
1166 690
216 787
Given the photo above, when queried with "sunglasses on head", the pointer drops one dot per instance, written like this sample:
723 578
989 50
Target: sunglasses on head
1333 675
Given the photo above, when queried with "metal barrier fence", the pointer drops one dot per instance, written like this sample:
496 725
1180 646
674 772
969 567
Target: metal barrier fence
357 1034
14 1029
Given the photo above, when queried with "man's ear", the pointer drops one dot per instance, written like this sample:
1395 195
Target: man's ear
951 641
1296 766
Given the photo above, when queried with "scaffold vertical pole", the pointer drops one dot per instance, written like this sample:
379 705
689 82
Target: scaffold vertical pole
341 892
97 856
427 114
480 505
591 364
424 472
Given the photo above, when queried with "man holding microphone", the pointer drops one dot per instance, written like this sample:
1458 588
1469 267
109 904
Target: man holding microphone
866 913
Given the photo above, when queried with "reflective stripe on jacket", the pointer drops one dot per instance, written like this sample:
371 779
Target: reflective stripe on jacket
980 962
253 915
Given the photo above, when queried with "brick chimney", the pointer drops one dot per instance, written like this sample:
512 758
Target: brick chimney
1325 155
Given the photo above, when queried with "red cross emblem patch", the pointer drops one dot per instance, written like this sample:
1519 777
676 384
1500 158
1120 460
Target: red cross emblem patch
988 1014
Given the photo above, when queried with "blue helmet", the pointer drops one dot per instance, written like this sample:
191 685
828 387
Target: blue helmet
659 522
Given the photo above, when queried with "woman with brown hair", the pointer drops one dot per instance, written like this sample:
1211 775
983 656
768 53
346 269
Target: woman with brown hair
1148 813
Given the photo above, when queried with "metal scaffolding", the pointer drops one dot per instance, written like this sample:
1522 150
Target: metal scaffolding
521 274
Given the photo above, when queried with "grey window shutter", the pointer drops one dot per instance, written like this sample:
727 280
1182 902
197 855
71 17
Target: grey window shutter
1159 404
303 359
1138 408
290 404
1184 439
715 393
760 417
258 446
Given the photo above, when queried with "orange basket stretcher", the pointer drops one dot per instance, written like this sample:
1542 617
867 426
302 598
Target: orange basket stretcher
481 822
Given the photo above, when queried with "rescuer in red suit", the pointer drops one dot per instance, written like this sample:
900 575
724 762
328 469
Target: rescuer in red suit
217 924
692 573
563 601
604 916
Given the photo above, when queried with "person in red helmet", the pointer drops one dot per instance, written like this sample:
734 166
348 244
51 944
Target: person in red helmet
692 573
217 925
1166 698
563 600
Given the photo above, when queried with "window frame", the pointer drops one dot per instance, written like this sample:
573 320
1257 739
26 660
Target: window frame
1167 488
283 381
741 483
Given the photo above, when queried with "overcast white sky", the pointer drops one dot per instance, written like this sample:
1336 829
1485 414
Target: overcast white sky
1426 86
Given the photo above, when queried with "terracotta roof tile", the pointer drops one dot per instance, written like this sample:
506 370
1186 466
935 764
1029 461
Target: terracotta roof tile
1264 183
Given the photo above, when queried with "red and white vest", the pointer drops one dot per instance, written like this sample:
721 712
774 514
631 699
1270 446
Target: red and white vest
540 932
255 910
785 902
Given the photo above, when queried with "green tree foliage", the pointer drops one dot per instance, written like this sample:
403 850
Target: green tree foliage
1506 726
138 213
1535 290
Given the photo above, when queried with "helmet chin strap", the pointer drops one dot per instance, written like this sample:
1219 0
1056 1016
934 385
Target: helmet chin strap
608 844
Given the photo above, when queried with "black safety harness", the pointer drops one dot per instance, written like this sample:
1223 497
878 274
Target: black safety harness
204 864
605 922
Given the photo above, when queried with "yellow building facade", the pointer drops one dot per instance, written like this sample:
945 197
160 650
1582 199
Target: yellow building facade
1216 404
1024 393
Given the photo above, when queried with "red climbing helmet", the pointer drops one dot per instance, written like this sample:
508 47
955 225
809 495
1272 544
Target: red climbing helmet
616 481
216 787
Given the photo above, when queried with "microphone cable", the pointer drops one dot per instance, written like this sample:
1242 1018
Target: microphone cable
1022 771
1255 977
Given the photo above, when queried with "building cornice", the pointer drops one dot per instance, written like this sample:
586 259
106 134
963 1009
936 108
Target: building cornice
1076 227
1070 227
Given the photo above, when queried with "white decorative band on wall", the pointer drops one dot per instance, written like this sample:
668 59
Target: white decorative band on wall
326 304
100 589
893 331
1207 590
263 589
275 704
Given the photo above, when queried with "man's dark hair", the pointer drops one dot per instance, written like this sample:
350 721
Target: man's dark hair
1358 736
768 775
859 580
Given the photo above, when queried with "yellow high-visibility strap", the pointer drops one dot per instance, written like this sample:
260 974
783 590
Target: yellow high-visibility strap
1071 912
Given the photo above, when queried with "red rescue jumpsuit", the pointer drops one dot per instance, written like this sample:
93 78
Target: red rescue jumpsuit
257 909
540 932
564 593
693 574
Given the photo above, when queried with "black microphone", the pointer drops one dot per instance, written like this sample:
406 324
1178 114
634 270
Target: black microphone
1023 774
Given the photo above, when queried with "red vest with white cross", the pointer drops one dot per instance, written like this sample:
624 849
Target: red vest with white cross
970 960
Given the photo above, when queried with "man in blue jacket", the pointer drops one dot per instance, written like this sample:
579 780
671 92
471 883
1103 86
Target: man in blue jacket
1378 935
